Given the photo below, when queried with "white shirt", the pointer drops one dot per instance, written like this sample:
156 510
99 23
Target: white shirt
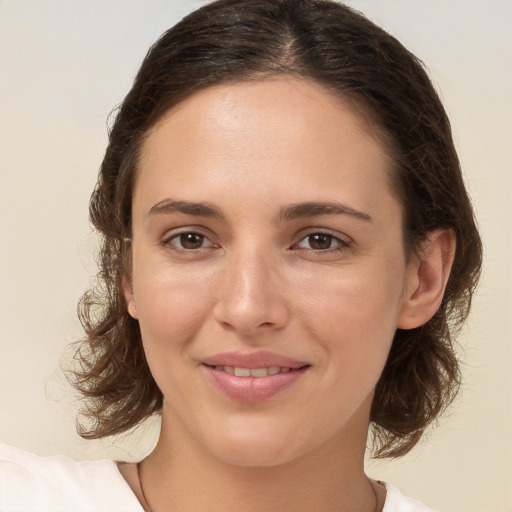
30 483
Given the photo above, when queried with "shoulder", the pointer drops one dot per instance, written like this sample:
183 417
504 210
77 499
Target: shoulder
397 502
58 483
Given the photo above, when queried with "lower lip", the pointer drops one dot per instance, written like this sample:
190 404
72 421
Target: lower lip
253 389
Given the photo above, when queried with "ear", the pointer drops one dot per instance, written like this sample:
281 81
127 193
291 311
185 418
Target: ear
129 297
427 275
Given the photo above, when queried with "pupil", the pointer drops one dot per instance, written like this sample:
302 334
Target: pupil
320 241
191 240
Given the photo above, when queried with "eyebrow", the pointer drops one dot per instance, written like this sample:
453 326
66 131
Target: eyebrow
290 212
315 209
170 205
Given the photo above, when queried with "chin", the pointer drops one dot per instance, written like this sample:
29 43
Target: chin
256 447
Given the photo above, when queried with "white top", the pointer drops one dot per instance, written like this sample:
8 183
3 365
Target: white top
30 483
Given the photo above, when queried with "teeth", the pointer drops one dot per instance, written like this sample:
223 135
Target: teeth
242 372
254 372
259 372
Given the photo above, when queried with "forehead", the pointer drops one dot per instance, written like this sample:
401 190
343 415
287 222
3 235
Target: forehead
281 132
228 105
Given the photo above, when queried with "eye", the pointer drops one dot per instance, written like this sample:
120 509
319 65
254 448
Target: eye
322 242
188 241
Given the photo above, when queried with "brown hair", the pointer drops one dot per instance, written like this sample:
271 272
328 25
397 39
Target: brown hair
240 40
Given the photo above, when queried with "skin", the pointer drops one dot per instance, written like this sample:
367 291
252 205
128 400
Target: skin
253 279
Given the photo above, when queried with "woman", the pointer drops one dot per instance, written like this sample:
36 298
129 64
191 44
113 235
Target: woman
287 245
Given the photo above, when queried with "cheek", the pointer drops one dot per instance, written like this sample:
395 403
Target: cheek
171 306
352 311
352 320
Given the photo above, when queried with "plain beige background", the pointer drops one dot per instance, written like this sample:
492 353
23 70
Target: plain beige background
65 64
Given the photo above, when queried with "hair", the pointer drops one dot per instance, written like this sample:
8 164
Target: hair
333 45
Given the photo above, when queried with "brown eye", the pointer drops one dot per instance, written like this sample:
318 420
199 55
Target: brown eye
191 241
188 241
320 241
189 244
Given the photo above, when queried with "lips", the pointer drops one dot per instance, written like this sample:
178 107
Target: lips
253 360
253 377
252 372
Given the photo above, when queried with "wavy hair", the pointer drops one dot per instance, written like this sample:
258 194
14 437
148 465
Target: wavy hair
328 42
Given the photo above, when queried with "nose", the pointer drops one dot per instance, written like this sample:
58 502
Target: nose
252 297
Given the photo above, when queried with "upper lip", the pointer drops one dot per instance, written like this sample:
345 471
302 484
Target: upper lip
252 360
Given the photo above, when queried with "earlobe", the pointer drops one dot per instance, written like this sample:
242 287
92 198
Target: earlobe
427 277
129 297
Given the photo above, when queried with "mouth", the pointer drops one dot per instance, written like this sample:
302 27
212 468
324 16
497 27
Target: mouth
252 382
254 372
259 360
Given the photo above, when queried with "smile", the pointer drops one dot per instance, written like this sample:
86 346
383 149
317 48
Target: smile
252 385
252 372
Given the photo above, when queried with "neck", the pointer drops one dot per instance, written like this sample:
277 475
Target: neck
183 476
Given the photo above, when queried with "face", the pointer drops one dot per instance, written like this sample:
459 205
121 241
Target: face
268 269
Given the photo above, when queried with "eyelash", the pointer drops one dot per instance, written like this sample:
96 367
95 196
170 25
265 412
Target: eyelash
168 241
341 244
